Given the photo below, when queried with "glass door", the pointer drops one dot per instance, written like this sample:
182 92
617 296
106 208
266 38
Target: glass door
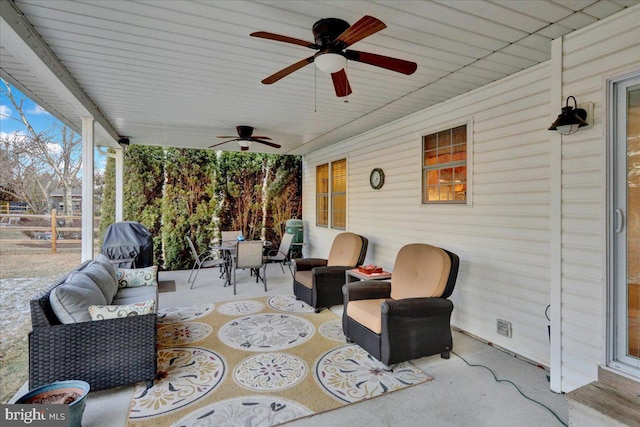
626 237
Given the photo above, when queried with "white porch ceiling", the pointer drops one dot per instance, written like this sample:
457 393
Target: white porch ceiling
179 73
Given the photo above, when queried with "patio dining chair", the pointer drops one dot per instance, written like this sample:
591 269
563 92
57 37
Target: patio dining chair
281 255
230 235
249 255
203 260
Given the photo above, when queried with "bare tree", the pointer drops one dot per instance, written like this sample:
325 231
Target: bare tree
39 161
21 177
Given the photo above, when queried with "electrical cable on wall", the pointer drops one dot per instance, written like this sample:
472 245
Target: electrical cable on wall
546 314
513 384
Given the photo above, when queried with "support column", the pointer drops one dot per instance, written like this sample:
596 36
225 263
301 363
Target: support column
555 220
87 187
119 199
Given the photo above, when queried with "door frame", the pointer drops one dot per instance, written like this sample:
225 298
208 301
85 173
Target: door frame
616 312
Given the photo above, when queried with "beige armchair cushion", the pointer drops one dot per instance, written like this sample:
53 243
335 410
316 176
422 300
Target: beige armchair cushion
345 250
420 271
367 312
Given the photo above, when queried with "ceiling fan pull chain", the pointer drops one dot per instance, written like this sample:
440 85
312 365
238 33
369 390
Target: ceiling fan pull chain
346 83
315 89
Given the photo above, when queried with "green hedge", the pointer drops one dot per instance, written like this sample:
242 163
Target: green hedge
178 192
189 205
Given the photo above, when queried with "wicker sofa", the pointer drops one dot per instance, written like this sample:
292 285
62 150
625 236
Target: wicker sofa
65 343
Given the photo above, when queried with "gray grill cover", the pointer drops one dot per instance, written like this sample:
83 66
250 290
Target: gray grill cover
128 244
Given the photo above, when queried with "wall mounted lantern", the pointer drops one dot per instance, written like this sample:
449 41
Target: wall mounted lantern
570 120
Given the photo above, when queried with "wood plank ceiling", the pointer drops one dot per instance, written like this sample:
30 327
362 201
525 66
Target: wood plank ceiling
179 73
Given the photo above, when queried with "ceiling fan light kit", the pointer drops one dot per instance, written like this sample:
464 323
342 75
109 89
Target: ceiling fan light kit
330 62
332 38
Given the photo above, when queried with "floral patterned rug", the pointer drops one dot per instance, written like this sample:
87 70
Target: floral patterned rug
260 362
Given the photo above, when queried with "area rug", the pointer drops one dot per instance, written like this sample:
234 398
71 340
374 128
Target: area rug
166 286
259 362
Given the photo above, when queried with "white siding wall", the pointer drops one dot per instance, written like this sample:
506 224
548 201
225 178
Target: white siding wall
602 51
502 239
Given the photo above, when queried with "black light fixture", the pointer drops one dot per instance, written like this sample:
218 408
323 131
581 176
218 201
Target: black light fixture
570 120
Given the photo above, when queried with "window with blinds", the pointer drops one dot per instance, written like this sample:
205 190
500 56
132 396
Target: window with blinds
322 195
339 194
444 168
331 194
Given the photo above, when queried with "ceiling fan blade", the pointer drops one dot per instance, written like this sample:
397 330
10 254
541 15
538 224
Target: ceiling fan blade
220 143
261 137
341 83
270 144
393 64
285 39
232 136
286 71
366 26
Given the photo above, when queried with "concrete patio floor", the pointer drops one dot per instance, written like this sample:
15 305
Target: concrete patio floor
459 395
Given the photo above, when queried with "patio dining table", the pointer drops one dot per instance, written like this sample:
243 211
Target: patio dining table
227 250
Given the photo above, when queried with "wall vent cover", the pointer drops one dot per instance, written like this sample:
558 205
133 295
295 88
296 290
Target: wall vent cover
504 328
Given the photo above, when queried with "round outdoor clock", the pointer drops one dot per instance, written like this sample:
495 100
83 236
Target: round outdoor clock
376 179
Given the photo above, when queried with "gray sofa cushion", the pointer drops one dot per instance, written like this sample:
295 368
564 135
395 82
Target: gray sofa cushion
132 295
70 301
103 279
106 263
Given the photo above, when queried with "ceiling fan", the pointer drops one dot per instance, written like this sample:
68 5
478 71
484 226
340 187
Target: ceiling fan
245 139
332 36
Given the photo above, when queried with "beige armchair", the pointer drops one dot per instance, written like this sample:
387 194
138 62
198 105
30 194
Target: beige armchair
407 317
318 281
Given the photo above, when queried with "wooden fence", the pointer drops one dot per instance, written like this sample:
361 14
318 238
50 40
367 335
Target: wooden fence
55 232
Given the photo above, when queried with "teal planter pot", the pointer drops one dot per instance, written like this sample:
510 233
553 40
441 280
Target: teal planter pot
76 408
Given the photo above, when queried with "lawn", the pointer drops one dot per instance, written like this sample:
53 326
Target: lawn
24 272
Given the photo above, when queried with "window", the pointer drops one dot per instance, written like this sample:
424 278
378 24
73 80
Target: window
339 194
444 167
331 194
322 195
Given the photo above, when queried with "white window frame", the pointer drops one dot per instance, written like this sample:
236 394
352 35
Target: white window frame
330 194
469 178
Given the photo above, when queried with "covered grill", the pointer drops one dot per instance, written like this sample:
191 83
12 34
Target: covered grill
295 226
128 244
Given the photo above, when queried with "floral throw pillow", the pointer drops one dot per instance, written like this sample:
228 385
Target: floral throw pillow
102 312
135 277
